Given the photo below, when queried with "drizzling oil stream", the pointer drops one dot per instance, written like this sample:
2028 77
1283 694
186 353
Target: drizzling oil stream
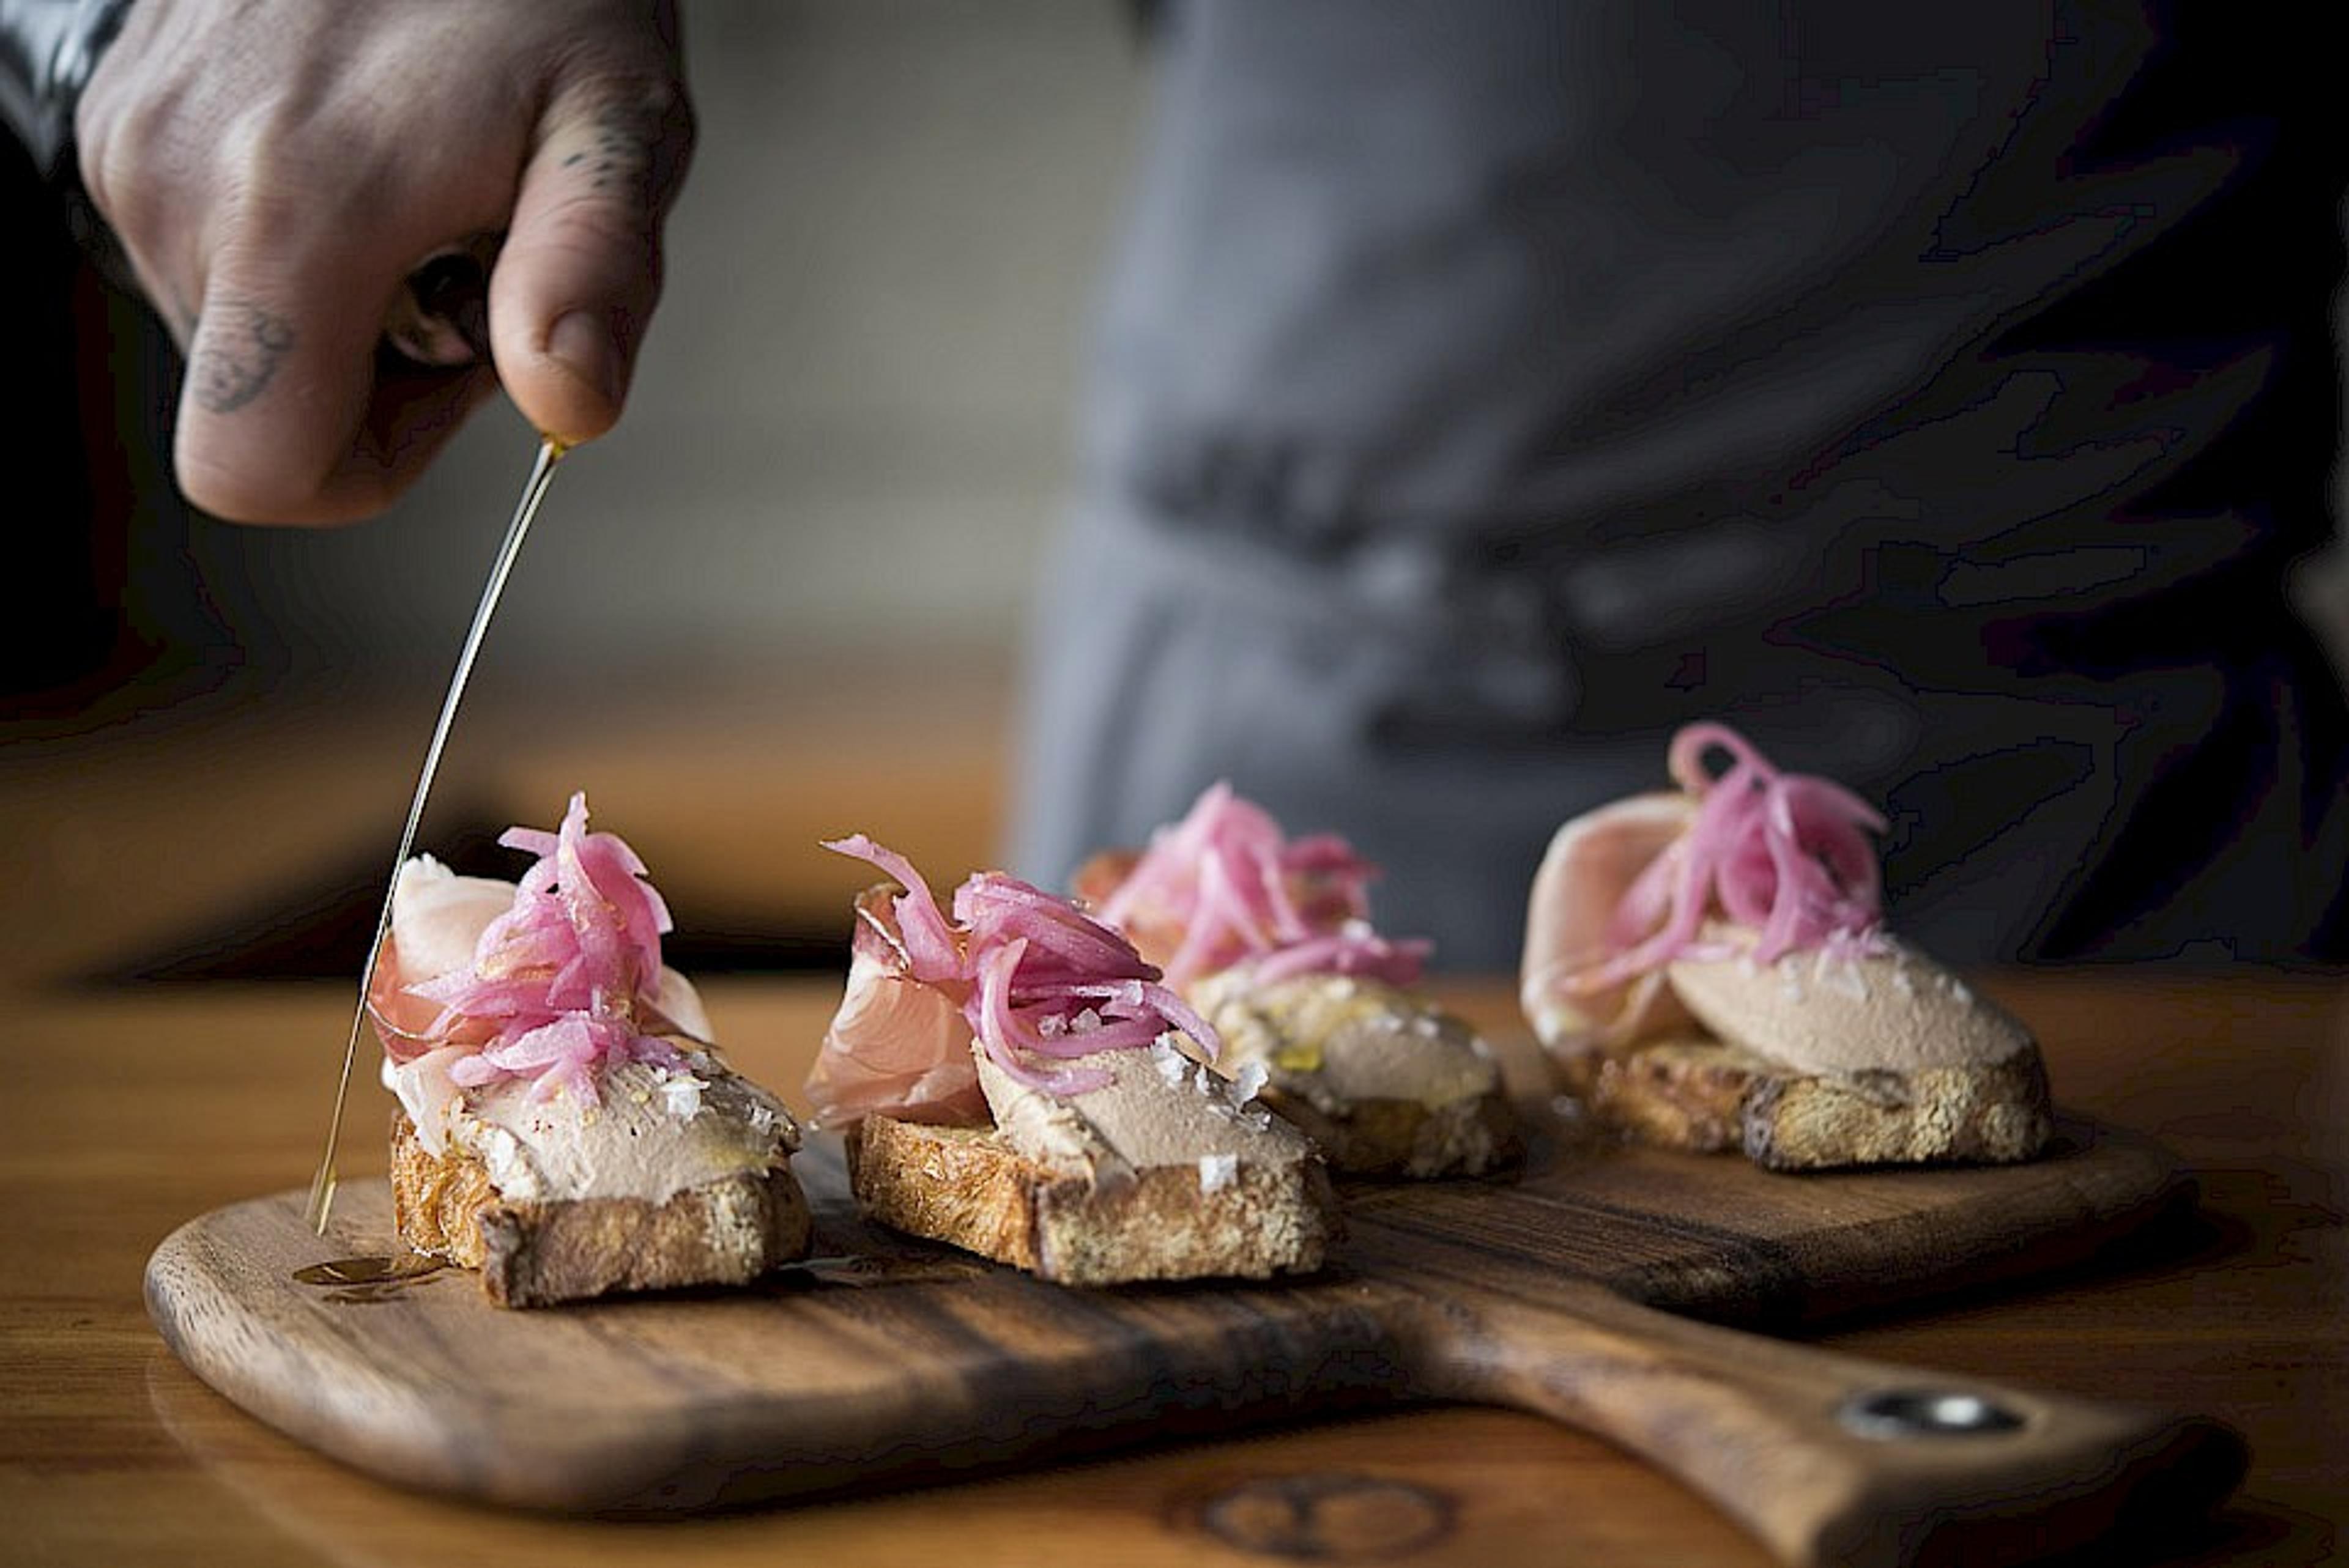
322 1185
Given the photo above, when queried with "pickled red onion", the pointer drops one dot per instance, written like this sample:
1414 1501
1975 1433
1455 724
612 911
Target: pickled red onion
1226 885
1357 950
564 982
1030 973
1784 854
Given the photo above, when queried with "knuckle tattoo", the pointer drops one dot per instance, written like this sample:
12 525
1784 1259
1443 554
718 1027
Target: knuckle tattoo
236 361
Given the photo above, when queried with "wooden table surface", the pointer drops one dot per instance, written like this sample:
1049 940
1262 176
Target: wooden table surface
129 1113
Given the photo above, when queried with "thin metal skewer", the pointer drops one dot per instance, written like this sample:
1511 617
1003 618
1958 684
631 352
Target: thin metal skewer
322 1185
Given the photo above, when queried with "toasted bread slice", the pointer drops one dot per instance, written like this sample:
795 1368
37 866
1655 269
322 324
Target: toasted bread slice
1157 1174
1409 1138
970 1188
530 1253
1677 1094
1706 1096
1384 1082
1973 1112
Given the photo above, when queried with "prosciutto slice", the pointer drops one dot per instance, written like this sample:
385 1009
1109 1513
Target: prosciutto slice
1026 976
1782 861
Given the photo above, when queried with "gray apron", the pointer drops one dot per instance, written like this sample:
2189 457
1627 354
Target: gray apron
1486 388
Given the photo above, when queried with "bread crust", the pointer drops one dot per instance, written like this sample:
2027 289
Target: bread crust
1976 1113
969 1188
1705 1096
1384 1082
1408 1137
1679 1093
537 1253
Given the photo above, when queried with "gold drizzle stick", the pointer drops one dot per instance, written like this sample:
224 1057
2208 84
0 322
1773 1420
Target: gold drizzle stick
322 1185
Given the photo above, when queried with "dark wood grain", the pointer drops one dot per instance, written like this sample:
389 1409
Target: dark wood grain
886 1361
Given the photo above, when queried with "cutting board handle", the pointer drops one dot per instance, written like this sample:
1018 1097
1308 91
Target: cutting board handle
1829 1459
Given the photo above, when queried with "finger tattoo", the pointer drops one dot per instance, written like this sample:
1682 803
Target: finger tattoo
626 140
235 364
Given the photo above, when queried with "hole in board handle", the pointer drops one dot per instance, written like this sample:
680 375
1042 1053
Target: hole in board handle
1893 1414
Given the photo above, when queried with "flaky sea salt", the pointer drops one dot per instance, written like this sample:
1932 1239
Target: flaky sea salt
681 1095
1248 1081
1835 972
1171 1064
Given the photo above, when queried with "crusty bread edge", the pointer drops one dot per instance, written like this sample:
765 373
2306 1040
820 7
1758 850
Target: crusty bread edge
969 1188
1704 1096
1996 1113
1475 1135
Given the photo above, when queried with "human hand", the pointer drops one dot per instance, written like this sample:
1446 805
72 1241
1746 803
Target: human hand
274 171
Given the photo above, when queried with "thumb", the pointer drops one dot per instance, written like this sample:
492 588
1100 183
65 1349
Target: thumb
575 283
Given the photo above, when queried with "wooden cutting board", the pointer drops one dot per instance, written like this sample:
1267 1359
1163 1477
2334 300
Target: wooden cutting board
1573 1292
